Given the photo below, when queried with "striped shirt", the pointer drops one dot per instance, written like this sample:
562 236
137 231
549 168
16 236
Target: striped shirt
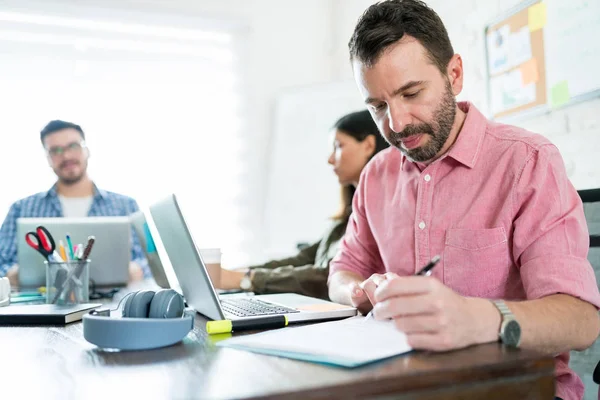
47 204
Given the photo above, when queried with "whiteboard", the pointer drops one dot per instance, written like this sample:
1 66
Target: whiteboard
572 48
303 191
549 43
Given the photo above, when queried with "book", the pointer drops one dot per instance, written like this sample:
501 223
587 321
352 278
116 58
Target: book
44 314
350 343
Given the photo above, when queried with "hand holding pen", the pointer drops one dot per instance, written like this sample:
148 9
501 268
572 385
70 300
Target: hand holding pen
370 285
432 315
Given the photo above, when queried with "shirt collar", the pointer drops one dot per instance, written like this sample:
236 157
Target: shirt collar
98 193
470 138
466 147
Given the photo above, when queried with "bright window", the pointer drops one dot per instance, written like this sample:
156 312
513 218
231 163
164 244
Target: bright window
160 106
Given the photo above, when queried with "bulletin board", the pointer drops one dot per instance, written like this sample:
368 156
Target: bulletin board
543 55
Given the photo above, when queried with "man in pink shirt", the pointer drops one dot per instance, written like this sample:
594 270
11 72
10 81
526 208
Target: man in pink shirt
492 200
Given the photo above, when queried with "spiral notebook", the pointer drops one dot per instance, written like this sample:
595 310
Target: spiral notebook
349 343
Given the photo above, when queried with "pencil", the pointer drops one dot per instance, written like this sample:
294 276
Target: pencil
61 249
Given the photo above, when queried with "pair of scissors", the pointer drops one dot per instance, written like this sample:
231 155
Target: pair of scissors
42 241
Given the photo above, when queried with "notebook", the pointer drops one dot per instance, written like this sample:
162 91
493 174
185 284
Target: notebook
44 314
350 343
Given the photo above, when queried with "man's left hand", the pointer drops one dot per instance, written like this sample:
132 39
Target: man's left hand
433 316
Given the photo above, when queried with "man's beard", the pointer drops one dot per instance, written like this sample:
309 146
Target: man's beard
438 132
70 180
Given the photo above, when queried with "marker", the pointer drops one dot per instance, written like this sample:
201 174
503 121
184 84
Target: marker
225 326
70 244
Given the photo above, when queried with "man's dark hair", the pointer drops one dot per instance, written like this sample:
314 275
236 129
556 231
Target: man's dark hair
58 125
386 22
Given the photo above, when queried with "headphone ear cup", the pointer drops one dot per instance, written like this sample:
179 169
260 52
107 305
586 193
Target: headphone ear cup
138 305
167 303
125 311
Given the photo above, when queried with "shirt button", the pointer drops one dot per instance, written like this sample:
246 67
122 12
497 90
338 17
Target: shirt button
427 178
421 225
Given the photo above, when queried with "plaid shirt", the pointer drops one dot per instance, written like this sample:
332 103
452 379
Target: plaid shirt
47 204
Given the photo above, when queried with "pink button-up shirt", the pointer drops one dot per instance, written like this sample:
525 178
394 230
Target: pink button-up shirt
498 208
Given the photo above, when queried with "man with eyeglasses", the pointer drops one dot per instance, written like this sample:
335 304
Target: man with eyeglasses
73 195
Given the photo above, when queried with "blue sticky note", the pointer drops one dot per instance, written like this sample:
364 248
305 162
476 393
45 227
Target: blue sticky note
150 246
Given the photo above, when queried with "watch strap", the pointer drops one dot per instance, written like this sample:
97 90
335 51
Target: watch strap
503 308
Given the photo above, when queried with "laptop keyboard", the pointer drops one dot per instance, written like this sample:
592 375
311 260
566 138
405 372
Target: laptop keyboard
249 307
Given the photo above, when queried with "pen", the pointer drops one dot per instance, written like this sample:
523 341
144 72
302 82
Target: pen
225 326
425 271
70 244
57 257
88 247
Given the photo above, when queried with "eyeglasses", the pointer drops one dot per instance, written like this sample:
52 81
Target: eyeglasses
59 151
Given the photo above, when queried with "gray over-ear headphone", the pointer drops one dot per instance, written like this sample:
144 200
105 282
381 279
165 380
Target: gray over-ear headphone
150 320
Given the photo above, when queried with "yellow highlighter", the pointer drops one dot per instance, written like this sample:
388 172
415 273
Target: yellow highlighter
249 324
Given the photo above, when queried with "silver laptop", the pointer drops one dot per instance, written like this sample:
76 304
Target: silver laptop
110 255
140 226
200 293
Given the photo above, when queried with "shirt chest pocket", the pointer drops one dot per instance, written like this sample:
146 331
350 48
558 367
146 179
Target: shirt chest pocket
476 261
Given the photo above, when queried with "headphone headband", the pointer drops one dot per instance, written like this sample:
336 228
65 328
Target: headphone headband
150 320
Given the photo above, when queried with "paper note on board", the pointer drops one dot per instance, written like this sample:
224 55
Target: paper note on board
536 17
509 92
520 47
498 49
559 94
529 71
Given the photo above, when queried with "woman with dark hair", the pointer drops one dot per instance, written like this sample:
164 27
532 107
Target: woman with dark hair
356 140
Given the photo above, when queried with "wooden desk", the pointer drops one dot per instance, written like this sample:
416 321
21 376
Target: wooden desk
56 362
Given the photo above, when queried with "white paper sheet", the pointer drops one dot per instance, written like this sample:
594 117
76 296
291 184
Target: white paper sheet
350 342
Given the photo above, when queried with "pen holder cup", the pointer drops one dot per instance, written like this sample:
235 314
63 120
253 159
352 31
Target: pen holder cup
67 282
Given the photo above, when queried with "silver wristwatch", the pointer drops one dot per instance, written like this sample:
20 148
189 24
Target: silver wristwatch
510 330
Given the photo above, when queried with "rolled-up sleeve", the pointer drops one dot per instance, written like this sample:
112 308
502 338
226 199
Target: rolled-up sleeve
358 251
8 239
550 238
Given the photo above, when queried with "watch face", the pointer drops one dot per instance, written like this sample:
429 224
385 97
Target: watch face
246 283
511 333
